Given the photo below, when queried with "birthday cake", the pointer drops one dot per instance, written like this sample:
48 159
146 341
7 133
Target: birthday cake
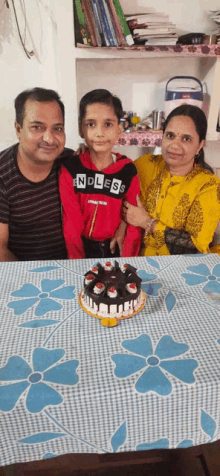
112 293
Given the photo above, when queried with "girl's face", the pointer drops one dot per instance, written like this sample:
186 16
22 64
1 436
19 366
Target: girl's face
180 144
100 127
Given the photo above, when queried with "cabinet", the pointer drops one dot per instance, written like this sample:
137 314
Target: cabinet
138 75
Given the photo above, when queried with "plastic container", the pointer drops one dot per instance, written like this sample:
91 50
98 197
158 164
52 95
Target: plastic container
184 93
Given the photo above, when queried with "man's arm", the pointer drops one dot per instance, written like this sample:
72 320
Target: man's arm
5 254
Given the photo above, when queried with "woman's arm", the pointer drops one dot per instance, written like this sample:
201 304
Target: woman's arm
136 215
200 225
132 240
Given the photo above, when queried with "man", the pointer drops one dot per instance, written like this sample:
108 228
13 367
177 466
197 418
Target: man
30 209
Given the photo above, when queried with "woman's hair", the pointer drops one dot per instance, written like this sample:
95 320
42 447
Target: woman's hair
200 121
102 96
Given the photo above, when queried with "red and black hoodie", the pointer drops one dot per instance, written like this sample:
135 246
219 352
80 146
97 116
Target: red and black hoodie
92 202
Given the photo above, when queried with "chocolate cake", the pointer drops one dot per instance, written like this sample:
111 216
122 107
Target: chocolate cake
112 293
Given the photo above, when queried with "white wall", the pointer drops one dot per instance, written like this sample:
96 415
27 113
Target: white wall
17 71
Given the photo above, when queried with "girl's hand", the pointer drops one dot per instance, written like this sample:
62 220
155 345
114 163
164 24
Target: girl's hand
118 237
136 216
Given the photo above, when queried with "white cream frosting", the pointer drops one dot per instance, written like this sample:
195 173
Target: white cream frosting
102 310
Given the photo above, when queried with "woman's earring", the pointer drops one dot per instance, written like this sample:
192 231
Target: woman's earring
197 155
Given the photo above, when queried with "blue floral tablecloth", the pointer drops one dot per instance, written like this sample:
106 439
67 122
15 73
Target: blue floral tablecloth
69 385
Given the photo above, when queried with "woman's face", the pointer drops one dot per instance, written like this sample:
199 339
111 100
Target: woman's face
180 144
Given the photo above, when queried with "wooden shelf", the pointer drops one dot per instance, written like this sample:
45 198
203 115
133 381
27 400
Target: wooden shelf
141 139
89 52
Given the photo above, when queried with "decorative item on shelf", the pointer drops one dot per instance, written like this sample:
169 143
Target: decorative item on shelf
127 121
158 119
183 93
191 39
135 120
210 40
133 123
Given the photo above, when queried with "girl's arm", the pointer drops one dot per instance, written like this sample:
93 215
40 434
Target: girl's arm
72 218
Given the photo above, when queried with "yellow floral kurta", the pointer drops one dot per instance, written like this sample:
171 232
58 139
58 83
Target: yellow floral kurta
190 203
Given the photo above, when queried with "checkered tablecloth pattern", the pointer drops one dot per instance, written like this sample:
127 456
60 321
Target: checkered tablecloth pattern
70 385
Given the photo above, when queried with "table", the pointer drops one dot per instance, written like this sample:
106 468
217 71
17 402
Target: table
69 385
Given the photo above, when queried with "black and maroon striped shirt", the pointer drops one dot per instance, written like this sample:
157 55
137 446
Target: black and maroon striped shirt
32 210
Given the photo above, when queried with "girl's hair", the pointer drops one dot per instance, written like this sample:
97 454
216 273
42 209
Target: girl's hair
200 121
102 96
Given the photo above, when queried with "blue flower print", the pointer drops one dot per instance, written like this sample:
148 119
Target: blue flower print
202 274
154 364
39 395
151 289
49 289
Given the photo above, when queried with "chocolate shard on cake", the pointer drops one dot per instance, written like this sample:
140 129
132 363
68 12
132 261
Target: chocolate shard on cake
112 292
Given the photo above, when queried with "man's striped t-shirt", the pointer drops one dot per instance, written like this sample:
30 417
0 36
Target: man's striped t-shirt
32 210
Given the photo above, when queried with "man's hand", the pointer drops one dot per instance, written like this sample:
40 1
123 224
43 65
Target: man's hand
5 254
136 216
118 237
81 149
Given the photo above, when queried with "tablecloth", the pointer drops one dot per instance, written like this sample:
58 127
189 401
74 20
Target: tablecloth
70 385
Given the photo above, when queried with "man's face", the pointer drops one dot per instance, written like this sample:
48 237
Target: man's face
41 137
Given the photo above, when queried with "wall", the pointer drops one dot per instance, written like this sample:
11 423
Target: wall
17 71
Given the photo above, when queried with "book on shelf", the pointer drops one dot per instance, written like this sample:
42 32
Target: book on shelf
156 41
97 17
158 35
161 41
133 24
101 23
116 22
148 17
155 31
125 28
86 6
81 30
108 34
111 23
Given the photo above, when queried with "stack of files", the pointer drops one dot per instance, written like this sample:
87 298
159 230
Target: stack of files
215 16
100 23
152 29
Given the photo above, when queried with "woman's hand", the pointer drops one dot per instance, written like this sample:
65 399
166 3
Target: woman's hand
136 216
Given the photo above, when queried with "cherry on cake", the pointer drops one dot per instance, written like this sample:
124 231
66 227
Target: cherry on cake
112 293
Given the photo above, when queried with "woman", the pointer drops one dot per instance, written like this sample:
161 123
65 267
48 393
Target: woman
180 195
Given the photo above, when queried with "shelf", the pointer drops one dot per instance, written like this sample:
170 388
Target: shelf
90 52
141 139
